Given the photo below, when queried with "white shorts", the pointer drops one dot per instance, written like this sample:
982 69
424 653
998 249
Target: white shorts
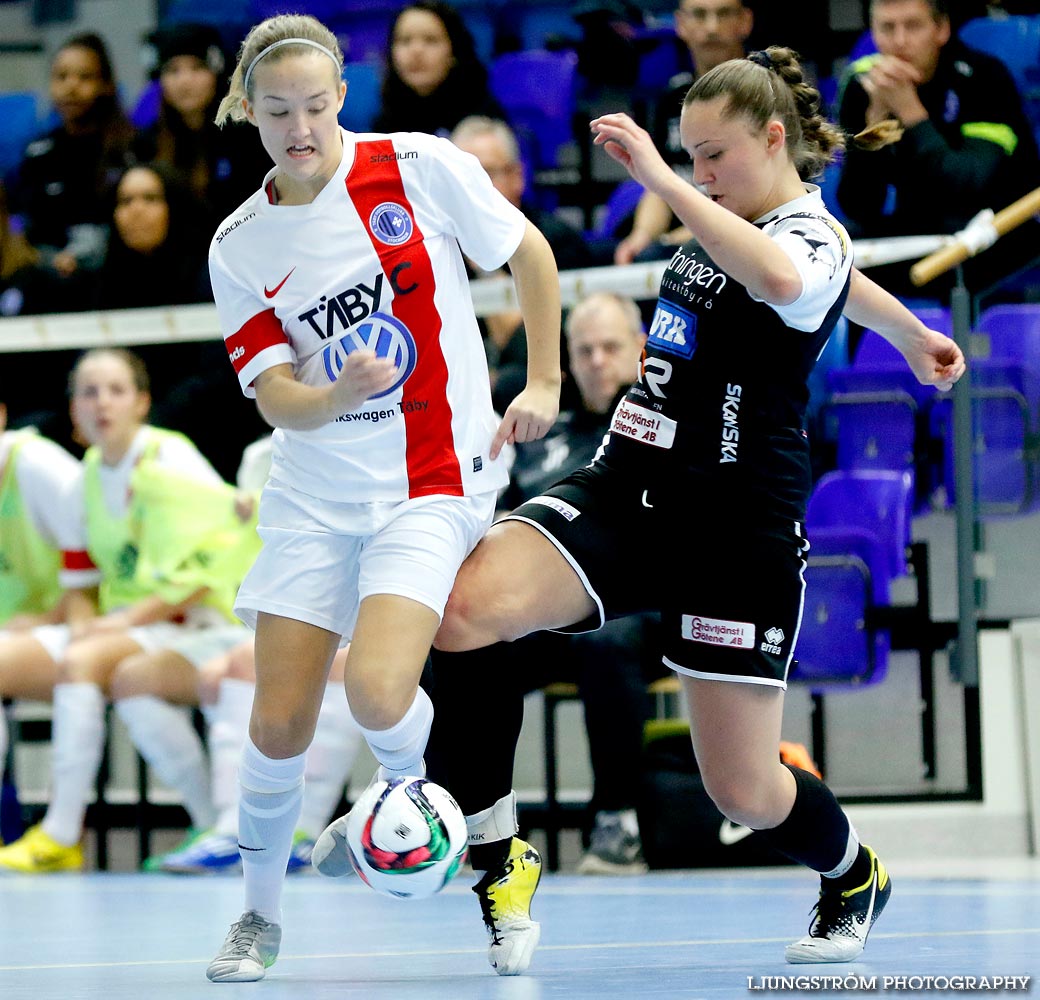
151 638
200 645
321 559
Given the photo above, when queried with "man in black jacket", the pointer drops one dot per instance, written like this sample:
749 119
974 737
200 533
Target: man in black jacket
937 133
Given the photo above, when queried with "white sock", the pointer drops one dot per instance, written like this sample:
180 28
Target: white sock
228 731
400 748
271 795
497 822
166 738
330 758
77 744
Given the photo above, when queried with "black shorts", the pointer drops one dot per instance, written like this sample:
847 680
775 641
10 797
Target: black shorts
726 574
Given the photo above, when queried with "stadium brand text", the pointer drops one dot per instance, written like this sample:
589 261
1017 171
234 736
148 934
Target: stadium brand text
234 225
387 157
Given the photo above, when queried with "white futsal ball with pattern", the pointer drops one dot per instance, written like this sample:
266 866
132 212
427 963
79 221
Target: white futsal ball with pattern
406 837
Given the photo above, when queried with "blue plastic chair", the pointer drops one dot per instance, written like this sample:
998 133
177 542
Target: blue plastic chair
1011 332
535 24
1015 41
858 523
1005 371
877 501
619 206
538 90
18 112
145 111
874 412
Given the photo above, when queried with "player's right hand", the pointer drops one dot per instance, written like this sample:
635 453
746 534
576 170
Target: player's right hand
363 375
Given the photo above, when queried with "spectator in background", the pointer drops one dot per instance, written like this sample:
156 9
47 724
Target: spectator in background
222 166
939 134
25 287
157 256
713 31
159 240
494 143
34 384
66 176
435 77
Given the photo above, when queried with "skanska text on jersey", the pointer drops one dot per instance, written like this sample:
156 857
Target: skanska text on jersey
375 416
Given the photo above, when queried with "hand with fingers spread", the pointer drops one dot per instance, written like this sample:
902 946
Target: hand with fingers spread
632 147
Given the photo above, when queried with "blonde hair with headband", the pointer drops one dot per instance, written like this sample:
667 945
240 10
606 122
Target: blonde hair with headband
285 34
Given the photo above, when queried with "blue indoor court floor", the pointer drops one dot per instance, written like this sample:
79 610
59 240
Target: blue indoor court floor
704 933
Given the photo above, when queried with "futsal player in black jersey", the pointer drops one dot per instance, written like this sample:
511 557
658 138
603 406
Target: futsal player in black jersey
695 506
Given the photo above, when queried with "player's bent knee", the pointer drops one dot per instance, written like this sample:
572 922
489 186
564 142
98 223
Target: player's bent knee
740 801
131 678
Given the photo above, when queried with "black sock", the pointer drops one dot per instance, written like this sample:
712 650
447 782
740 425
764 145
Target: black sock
816 832
490 857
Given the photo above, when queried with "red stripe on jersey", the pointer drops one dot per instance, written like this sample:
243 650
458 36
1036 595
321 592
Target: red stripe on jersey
76 561
433 466
257 334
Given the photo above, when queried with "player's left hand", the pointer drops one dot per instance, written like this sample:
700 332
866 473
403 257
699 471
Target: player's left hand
937 361
632 147
527 418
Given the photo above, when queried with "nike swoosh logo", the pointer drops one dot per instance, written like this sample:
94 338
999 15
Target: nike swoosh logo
272 292
730 833
864 922
242 847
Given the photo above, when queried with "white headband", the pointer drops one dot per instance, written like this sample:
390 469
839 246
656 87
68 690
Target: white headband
285 41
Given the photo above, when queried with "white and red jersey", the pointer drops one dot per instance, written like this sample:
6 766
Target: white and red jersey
374 262
50 484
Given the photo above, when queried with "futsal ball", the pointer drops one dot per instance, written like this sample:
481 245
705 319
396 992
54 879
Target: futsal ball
406 837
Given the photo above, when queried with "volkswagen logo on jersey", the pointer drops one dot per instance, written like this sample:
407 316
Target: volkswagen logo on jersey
386 335
673 329
390 223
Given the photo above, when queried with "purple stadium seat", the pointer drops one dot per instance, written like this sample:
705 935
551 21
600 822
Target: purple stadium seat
858 524
877 501
538 90
1005 374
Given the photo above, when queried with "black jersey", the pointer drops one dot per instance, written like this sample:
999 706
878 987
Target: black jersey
723 391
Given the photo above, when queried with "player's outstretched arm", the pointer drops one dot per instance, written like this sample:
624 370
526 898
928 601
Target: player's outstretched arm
531 414
934 358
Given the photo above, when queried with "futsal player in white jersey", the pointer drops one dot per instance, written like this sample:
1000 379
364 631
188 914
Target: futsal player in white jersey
342 293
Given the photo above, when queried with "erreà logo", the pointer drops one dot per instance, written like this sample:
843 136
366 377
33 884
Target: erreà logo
390 223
